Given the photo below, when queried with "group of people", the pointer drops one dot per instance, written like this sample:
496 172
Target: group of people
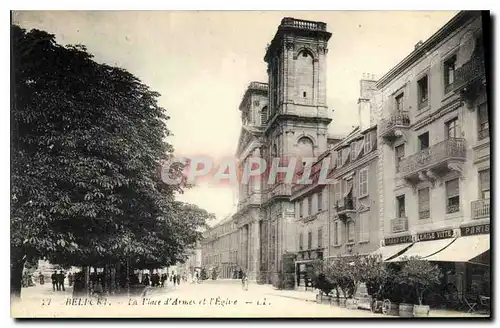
57 279
157 280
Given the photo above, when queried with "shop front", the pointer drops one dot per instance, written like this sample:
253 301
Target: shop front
463 256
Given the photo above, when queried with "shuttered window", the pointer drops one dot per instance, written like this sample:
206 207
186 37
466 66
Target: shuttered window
363 182
320 237
364 226
350 231
483 122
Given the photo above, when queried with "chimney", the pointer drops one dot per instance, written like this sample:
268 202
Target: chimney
366 92
418 44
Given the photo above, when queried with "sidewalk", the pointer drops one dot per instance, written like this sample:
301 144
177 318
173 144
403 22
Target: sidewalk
310 296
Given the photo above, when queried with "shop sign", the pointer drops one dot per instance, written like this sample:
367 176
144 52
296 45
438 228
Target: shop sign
435 235
475 230
398 240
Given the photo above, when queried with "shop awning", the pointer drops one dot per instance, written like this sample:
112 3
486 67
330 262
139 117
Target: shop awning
424 249
389 251
463 249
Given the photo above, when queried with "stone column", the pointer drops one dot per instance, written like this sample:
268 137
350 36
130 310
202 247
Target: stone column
255 265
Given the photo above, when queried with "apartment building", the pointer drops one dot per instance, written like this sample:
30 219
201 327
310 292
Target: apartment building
341 218
219 248
355 227
434 154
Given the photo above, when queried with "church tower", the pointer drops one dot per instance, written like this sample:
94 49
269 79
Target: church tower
296 126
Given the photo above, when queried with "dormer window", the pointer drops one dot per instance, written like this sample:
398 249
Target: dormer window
368 142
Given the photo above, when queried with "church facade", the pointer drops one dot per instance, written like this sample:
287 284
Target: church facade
283 118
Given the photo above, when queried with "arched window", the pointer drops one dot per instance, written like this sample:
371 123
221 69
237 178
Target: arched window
304 82
350 231
274 151
263 115
306 147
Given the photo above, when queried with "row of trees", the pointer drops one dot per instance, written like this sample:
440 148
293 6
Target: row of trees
398 282
87 144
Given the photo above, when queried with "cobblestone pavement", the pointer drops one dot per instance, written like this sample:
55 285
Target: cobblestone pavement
224 299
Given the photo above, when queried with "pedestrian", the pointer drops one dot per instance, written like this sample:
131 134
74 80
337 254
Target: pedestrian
55 284
178 279
145 281
61 280
70 279
197 277
174 279
244 281
42 278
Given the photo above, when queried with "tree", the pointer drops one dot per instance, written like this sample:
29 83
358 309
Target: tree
419 274
87 142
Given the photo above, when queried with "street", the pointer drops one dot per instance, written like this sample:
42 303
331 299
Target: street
207 299
224 298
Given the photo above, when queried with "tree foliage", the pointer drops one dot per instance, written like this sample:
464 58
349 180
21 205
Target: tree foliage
419 274
86 146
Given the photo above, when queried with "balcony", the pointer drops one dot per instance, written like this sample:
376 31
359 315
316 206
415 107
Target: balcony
399 225
434 161
346 207
480 209
279 191
468 75
390 128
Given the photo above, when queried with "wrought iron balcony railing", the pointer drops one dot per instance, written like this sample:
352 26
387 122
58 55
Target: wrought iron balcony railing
467 73
399 224
348 204
397 119
443 151
480 208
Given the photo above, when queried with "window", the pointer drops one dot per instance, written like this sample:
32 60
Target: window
400 154
353 150
337 192
350 231
400 201
320 237
309 205
483 122
320 201
452 129
363 182
423 92
423 141
339 158
301 208
368 142
449 73
336 233
304 94
484 183
309 240
423 204
453 196
301 241
364 226
263 115
400 102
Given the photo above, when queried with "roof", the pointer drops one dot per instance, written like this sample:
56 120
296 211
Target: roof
456 22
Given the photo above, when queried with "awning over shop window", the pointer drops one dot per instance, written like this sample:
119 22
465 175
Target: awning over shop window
463 249
389 251
424 249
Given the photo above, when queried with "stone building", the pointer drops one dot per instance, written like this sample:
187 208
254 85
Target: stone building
434 154
287 117
220 247
354 214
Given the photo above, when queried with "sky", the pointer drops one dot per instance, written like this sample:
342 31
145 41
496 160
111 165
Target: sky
202 62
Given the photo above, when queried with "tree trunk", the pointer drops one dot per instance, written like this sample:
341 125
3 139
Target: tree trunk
16 276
